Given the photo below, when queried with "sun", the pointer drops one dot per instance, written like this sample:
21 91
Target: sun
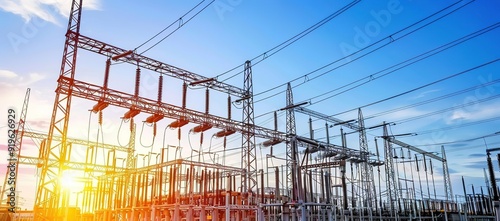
68 180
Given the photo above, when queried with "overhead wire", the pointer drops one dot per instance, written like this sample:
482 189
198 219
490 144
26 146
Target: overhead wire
290 41
174 22
389 37
446 109
406 63
179 27
418 88
459 141
434 99
488 120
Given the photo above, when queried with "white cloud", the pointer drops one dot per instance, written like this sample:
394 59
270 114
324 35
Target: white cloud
16 80
475 113
425 93
7 74
44 9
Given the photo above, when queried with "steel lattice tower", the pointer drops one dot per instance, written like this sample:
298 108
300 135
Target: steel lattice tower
48 194
17 146
446 176
291 144
366 168
392 189
249 182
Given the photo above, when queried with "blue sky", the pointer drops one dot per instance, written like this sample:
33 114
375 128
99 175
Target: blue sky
228 33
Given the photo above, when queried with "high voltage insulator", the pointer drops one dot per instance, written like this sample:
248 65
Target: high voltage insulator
179 134
137 81
154 130
201 138
131 124
229 107
207 101
100 118
184 93
160 88
106 74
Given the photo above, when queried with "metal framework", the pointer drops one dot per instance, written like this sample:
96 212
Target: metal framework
391 179
142 61
366 174
249 163
48 193
291 145
17 146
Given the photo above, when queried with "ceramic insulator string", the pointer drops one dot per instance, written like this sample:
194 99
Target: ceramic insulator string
160 88
106 74
137 81
184 94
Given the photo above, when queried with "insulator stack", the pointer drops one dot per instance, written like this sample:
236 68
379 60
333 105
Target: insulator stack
201 138
229 107
179 134
275 121
100 118
160 88
225 142
184 93
131 124
106 74
207 101
154 130
137 81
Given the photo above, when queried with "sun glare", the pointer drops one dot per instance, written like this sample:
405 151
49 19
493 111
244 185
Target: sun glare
67 180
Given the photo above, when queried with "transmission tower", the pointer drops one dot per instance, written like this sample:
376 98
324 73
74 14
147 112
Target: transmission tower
48 193
446 175
392 189
366 168
17 146
291 145
249 182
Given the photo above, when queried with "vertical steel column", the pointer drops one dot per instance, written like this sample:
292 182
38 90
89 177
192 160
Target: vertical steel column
365 172
249 163
48 192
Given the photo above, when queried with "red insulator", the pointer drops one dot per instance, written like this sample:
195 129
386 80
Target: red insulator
160 88
229 107
106 74
100 118
184 93
201 138
131 124
179 134
154 130
207 101
137 81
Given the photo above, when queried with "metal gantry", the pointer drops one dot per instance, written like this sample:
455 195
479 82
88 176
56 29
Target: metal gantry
182 189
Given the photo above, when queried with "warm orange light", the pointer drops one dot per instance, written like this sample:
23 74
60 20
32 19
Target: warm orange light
68 180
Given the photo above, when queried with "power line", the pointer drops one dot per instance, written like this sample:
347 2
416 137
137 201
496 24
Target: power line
459 141
447 109
418 88
432 100
176 21
418 133
290 41
404 64
181 24
390 38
